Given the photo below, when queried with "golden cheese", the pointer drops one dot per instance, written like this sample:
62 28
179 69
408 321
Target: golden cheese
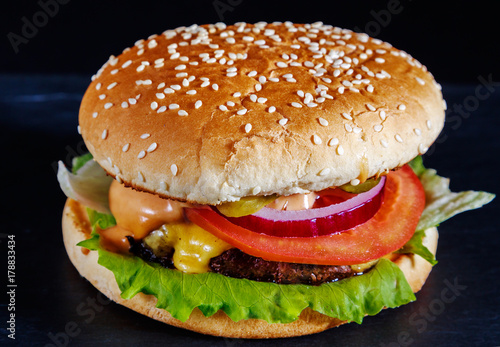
194 247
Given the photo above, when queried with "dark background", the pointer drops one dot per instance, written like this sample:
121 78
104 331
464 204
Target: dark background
40 90
457 40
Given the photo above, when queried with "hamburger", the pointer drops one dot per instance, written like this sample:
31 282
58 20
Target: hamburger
258 180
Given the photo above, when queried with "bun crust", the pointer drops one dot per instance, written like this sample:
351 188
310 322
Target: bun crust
214 113
75 229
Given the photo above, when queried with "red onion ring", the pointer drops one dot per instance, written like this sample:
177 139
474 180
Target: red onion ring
316 221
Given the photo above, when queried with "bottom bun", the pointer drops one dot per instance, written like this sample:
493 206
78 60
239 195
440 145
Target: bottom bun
76 228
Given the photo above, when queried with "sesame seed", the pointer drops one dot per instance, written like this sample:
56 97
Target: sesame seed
398 138
316 139
152 147
162 109
237 94
422 149
174 169
333 142
104 134
215 86
163 185
126 147
94 115
417 131
113 72
222 108
160 95
141 154
102 96
402 107
252 73
283 121
154 105
261 100
340 150
288 75
369 88
108 105
380 60
191 92
152 44
296 105
180 67
346 116
348 128
378 127
384 143
248 127
260 42
262 79
281 64
197 104
205 84
308 98
429 125
258 87
140 176
355 182
145 136
419 80
185 82
124 104
341 90
300 93
98 86
182 113
173 106
271 109
169 91
274 79
323 121
242 111
230 40
324 172
112 85
175 87
370 107
291 80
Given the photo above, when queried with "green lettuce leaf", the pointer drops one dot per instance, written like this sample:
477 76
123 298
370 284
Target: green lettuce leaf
179 293
440 202
415 246
78 162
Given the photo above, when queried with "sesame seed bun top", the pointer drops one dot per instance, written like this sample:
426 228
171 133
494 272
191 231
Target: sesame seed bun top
214 113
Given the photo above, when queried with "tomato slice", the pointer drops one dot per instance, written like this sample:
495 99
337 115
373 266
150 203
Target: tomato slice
388 230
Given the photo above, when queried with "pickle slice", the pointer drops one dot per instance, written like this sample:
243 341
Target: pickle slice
362 187
245 206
